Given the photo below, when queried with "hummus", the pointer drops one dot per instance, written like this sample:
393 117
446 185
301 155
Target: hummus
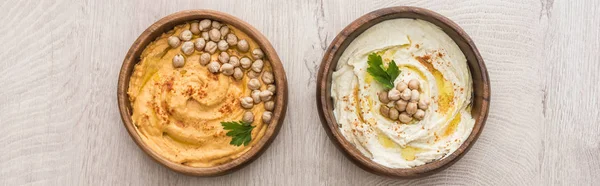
421 51
177 111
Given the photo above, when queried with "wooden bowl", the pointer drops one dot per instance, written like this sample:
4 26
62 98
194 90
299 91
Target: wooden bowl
169 22
480 104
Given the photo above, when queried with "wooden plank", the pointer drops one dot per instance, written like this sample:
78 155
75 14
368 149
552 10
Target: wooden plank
571 134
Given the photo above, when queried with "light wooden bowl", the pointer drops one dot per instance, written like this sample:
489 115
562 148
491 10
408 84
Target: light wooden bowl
169 22
481 85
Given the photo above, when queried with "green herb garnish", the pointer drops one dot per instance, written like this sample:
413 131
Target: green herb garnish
385 77
240 132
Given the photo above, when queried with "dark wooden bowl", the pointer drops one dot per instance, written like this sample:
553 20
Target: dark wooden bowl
481 86
169 22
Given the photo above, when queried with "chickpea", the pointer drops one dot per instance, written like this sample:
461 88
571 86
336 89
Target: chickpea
205 36
214 67
204 59
222 45
419 115
414 84
187 48
231 39
204 25
235 61
385 111
272 88
411 108
216 24
256 96
266 117
237 73
248 117
252 74
414 95
406 94
227 69
246 102
258 53
199 44
423 103
173 41
404 117
224 31
224 57
394 95
253 84
211 47
266 95
383 97
245 62
401 105
394 114
178 61
186 35
269 105
243 45
257 65
214 35
267 77
401 86
194 28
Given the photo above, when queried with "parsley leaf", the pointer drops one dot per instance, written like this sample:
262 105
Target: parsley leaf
240 132
393 71
385 77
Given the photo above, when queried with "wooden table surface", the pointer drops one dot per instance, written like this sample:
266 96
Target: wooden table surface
59 121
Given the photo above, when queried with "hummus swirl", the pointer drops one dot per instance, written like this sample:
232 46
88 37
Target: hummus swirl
177 111
424 52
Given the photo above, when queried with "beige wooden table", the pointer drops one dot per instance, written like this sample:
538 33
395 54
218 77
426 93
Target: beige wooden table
59 122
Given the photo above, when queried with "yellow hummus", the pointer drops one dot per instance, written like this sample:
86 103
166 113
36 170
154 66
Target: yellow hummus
177 111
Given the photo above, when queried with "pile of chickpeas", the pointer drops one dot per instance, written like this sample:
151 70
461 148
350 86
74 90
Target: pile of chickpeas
217 36
408 104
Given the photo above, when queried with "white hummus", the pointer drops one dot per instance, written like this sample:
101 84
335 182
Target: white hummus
422 51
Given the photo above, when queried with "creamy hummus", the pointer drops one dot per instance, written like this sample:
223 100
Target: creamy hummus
422 51
177 111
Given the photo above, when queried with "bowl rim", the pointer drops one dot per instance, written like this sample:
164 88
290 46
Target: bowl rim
168 23
329 64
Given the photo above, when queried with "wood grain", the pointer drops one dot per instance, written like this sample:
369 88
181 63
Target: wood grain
571 105
60 123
